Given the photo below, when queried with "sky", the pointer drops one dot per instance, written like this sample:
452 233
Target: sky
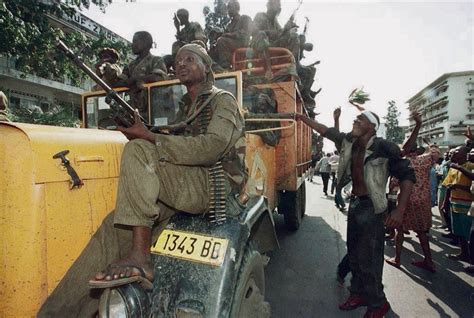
393 49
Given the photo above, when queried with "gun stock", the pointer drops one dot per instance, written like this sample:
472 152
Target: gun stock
123 113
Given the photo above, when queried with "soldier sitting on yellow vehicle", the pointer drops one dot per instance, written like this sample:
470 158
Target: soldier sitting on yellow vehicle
160 174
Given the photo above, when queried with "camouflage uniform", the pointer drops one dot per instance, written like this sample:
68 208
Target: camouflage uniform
268 32
193 31
156 180
236 35
3 107
148 65
3 116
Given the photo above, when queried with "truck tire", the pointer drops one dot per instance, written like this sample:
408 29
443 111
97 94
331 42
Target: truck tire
303 199
250 290
292 205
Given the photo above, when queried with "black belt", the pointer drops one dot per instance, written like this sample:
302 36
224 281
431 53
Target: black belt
360 197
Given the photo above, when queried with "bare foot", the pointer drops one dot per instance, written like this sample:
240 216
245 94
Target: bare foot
393 262
127 267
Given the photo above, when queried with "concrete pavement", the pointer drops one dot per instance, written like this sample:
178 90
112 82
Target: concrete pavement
301 275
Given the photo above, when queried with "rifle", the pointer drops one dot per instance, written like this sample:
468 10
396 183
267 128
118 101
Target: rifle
122 113
291 20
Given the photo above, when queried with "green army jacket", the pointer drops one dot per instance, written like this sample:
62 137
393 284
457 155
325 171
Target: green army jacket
223 140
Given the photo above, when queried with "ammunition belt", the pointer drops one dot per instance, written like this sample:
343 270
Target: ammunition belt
217 178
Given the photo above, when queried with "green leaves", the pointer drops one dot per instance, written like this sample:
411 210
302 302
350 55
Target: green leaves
29 37
358 96
394 132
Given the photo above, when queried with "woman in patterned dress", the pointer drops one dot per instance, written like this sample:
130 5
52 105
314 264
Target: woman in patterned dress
417 216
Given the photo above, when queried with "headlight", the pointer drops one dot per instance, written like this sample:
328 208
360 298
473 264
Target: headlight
112 304
127 301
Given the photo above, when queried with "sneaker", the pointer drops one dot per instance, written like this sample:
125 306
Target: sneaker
469 269
378 312
352 303
459 257
448 235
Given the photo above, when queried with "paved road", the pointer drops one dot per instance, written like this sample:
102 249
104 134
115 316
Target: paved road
300 278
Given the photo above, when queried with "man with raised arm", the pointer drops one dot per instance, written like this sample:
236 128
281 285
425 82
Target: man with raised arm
159 175
368 161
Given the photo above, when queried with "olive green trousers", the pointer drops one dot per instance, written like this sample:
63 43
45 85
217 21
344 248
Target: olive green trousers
150 191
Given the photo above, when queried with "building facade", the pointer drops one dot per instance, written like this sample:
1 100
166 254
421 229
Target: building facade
447 109
33 92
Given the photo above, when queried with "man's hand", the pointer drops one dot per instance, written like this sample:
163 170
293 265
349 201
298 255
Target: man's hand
176 22
417 118
454 166
337 113
469 134
395 218
138 130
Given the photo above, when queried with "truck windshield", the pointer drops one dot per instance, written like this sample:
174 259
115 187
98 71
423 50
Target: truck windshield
165 100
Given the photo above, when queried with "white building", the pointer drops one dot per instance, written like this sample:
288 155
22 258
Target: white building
447 109
26 90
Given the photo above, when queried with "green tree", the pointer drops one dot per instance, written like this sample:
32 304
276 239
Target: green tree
28 36
216 20
394 132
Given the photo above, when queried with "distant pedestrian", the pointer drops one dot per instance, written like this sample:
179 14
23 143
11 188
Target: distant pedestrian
314 162
459 199
324 169
334 162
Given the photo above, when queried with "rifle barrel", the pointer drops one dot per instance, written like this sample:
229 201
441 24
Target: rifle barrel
86 69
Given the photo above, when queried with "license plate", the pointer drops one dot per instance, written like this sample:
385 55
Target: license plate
193 247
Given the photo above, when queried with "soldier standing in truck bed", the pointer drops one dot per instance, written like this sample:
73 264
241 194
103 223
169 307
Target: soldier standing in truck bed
159 175
146 68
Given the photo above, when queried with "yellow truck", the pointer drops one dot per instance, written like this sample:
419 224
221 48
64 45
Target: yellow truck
57 185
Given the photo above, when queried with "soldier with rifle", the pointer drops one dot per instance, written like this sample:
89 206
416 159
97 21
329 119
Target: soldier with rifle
159 175
236 35
146 68
267 32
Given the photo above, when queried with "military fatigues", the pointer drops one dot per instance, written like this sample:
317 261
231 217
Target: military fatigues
3 116
193 31
155 181
268 32
149 65
236 35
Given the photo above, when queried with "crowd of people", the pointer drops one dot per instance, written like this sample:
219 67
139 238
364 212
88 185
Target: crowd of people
393 191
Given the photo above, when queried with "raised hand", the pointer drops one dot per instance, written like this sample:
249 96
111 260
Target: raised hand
416 117
337 113
469 134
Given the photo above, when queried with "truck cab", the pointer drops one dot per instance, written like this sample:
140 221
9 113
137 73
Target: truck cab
58 184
